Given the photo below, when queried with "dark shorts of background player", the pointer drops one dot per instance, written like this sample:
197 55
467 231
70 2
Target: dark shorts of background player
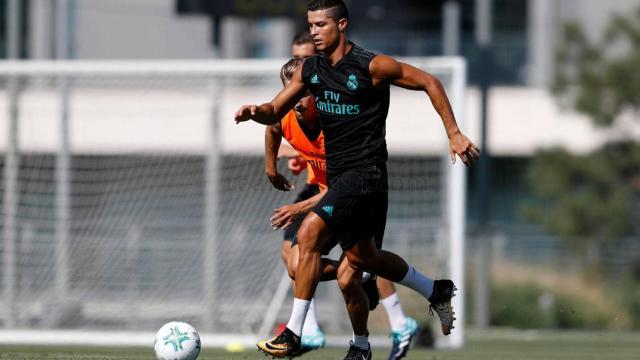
355 206
307 192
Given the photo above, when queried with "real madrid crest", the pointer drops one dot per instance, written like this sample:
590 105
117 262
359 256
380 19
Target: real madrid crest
352 83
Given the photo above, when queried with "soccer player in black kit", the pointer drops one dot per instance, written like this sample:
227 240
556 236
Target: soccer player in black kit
351 90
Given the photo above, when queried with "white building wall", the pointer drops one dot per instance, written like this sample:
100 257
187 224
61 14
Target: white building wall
41 30
151 29
129 120
139 29
541 28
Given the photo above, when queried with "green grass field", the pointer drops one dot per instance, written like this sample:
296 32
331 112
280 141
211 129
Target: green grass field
494 345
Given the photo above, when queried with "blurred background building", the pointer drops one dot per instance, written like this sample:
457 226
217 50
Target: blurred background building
524 117
524 31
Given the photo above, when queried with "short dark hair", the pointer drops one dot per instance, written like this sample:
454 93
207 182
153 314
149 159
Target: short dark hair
287 70
338 8
303 37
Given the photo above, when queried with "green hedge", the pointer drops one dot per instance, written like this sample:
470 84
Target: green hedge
628 294
528 306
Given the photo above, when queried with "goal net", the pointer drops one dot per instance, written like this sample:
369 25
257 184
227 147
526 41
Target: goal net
130 198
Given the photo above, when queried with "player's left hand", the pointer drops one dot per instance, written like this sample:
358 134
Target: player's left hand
246 112
463 147
285 216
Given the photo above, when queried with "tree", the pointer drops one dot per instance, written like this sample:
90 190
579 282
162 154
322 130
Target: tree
600 79
591 200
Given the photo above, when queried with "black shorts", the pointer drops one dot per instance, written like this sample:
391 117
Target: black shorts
307 192
355 206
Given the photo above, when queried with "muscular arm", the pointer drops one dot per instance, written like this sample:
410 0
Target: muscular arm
306 205
287 214
385 69
272 139
270 113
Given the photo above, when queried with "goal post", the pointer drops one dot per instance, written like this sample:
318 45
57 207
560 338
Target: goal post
131 198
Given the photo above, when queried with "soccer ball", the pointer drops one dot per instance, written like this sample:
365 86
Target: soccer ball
177 341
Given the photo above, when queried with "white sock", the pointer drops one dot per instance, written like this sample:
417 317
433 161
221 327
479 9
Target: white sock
361 342
365 276
418 282
298 314
394 312
310 322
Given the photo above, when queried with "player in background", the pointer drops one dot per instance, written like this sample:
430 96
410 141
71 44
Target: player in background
298 129
309 142
351 90
302 46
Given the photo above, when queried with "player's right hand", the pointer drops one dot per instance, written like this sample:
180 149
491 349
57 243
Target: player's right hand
463 147
280 182
246 112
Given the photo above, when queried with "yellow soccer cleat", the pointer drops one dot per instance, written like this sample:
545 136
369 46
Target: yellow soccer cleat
286 344
443 291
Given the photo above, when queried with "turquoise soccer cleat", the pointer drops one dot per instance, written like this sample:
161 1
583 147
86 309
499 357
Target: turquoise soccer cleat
314 341
401 340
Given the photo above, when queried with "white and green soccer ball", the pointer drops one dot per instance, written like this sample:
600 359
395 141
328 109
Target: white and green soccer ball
177 341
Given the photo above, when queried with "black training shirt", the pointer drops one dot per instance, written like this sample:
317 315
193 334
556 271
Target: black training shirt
351 111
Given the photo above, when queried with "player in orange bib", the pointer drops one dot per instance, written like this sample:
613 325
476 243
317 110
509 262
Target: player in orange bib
300 130
310 144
